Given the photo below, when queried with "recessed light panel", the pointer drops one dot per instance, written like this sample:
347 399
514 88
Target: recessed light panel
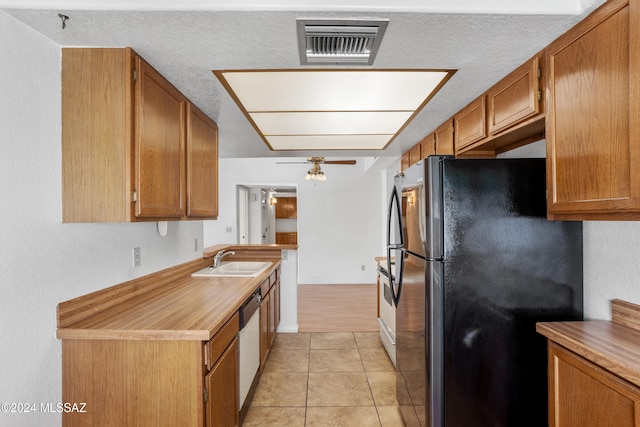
328 142
341 109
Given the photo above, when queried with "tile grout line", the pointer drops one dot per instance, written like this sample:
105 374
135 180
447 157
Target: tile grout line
306 401
365 345
373 399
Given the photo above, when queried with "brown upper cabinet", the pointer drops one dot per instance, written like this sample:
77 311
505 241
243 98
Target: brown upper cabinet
404 161
428 145
415 154
510 114
516 98
287 207
443 136
202 164
438 142
159 145
410 157
593 116
133 147
470 125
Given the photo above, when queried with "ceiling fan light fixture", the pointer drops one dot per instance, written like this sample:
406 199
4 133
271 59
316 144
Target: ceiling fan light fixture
315 173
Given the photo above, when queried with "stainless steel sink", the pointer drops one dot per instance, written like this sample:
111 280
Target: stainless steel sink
234 269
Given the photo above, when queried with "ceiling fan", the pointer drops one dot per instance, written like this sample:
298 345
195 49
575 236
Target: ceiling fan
315 173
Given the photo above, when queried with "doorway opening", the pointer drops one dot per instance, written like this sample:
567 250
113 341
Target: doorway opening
267 214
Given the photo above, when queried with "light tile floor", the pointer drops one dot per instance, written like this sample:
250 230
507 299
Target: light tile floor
337 379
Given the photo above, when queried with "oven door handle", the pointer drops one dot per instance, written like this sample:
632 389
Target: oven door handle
383 272
384 328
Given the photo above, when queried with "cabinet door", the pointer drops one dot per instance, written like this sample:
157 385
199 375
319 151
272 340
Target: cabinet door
593 117
428 145
202 165
293 207
264 330
159 145
516 98
444 138
222 387
404 161
286 207
97 124
582 394
415 154
277 306
470 125
274 312
281 209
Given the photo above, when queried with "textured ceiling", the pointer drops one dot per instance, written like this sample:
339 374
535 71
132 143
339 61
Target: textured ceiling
185 45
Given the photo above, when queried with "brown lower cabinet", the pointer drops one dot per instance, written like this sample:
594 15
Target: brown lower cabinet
153 382
287 238
221 404
583 394
269 314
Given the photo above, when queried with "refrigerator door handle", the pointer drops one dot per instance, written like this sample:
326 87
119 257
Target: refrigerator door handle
395 281
395 202
396 288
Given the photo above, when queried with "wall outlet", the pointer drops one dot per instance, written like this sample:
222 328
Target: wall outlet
229 230
136 257
362 267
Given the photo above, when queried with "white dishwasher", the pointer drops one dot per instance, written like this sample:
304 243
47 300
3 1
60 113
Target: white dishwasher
249 346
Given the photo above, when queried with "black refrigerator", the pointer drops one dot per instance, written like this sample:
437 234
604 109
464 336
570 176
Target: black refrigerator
475 264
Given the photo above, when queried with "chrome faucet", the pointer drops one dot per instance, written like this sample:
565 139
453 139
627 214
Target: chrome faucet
218 257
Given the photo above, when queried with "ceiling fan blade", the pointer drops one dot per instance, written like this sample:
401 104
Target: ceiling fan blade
339 162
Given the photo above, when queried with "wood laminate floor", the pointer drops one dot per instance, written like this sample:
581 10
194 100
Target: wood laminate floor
337 308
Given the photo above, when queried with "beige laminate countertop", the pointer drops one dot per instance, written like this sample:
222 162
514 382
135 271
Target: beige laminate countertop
184 308
613 345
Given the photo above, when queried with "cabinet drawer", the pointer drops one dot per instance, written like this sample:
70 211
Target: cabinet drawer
217 345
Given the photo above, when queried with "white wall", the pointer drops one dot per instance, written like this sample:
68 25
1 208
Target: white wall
255 216
338 222
43 261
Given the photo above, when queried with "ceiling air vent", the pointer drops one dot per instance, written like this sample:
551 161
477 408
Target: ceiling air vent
344 42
